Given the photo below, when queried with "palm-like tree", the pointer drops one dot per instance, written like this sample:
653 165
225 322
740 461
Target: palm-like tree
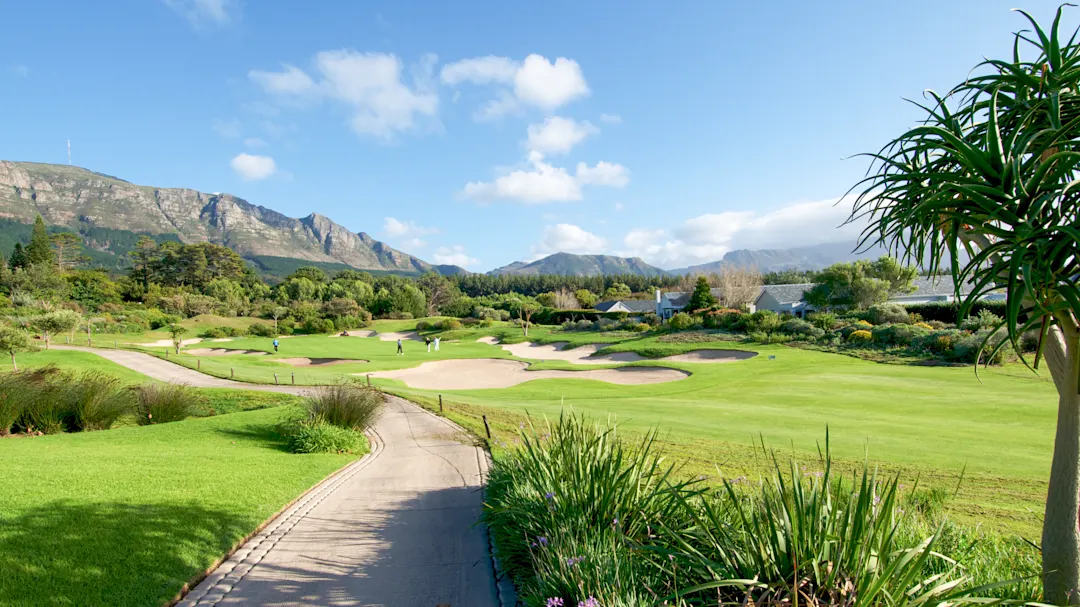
989 184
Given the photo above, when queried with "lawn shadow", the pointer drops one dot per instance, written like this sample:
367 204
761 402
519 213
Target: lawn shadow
265 436
64 553
419 547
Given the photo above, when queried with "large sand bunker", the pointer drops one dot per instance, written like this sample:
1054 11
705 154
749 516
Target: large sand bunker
477 373
317 362
221 352
357 333
586 355
394 336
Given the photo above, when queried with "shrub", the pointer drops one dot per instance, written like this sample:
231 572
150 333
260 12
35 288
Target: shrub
41 392
763 320
822 320
221 332
399 315
345 406
900 335
319 325
681 321
886 313
286 326
864 323
923 325
641 327
985 319
860 337
261 330
978 346
164 403
797 326
424 325
450 324
317 436
939 342
97 401
937 325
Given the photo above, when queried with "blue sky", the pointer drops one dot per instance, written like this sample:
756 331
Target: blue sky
481 133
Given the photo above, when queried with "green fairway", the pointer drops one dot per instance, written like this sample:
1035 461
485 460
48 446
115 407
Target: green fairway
128 516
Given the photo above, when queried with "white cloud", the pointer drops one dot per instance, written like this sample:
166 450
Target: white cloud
409 233
543 182
604 173
454 256
708 237
254 142
291 80
619 206
535 82
371 84
201 13
480 70
253 168
611 118
567 238
20 70
229 129
558 135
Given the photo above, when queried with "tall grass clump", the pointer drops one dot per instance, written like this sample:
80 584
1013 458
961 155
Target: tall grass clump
164 403
577 514
40 395
98 401
333 420
568 509
345 405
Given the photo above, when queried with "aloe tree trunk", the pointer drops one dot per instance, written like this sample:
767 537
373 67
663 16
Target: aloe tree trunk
14 367
1061 524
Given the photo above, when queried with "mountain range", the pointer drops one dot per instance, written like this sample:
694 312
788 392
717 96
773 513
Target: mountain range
80 200
111 213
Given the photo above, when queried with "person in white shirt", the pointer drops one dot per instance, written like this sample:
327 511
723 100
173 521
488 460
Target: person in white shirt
437 344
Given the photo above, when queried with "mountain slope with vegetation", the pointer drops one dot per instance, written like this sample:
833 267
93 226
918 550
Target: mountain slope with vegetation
567 264
83 201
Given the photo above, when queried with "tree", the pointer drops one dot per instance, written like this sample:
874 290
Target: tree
278 312
176 332
18 257
525 311
54 323
984 187
39 251
702 297
142 258
69 242
586 298
438 290
14 340
739 287
311 273
860 284
617 291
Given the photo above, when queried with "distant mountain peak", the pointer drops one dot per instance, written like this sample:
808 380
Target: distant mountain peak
570 264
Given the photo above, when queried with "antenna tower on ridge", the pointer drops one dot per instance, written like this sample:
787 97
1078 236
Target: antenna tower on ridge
69 151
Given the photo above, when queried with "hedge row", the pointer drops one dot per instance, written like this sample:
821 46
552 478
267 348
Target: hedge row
551 316
949 311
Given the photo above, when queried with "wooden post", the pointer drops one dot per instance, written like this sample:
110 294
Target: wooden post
294 379
440 404
166 354
487 428
232 373
113 344
369 380
275 379
198 364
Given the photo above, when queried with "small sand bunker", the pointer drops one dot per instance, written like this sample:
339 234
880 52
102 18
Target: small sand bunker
394 336
489 340
317 362
711 356
221 352
222 339
582 355
479 373
167 343
357 333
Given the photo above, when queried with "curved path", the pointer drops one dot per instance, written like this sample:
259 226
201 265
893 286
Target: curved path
396 528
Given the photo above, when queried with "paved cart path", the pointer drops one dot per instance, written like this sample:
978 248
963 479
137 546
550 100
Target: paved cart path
395 529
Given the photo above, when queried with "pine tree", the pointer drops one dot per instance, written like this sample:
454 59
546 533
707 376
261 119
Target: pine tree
702 297
39 251
18 257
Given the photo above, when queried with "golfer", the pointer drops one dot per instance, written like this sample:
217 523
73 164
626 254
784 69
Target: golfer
437 344
427 342
275 344
402 351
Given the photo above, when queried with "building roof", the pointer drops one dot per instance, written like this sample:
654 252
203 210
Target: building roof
634 305
679 299
787 294
930 286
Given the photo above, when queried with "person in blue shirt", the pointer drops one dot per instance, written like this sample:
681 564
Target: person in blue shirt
399 348
275 344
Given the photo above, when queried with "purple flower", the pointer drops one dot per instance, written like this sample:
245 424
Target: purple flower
615 523
549 495
542 540
589 602
554 602
574 560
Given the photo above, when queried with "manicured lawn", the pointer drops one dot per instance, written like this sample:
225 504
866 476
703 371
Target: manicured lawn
128 516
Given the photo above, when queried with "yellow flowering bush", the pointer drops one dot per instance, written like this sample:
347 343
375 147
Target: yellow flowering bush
861 337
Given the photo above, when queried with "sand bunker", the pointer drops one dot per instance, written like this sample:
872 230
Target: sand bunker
221 352
489 340
167 343
317 362
394 336
478 373
357 333
222 339
586 355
